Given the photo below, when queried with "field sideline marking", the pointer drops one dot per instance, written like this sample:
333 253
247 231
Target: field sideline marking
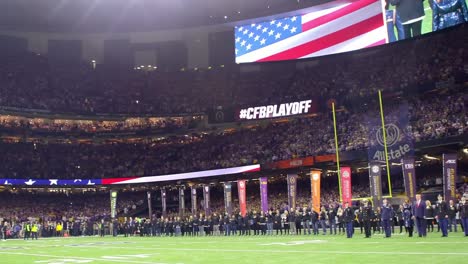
82 258
296 251
318 251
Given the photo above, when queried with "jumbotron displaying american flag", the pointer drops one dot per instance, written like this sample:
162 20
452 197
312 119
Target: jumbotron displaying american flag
333 27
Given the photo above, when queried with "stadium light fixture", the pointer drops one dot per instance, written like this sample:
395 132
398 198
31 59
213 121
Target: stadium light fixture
430 157
465 150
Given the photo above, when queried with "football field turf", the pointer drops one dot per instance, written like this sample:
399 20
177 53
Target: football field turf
277 249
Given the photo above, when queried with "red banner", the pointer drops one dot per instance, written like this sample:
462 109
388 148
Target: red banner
346 193
241 189
315 189
292 163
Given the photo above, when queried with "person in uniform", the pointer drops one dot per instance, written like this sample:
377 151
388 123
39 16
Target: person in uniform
442 215
348 218
387 218
27 231
34 231
367 217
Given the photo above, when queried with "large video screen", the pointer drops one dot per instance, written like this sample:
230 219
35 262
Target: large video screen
343 25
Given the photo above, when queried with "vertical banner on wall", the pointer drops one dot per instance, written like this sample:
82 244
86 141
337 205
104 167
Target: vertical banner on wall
206 199
228 198
292 191
113 200
193 195
375 182
163 201
150 208
346 192
450 176
409 177
241 189
264 193
315 189
182 200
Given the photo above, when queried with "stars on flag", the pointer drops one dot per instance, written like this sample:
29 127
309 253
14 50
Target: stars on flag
251 37
53 181
30 182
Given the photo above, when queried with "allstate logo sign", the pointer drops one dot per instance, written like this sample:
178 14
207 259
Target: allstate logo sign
392 133
397 146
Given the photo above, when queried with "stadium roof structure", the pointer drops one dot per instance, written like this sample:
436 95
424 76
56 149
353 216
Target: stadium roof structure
98 16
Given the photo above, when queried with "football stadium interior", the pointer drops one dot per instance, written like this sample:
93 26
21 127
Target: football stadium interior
233 131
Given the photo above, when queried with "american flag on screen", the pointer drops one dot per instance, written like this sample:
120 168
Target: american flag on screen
334 27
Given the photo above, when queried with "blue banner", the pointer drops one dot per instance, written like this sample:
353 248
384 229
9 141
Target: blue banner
399 138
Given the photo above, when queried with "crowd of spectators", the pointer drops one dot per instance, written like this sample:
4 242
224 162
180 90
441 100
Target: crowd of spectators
130 124
433 117
21 206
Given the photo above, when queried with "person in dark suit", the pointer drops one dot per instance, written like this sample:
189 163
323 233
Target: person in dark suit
419 210
411 13
442 215
387 218
367 217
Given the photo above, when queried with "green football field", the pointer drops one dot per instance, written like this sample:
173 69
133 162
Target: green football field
277 249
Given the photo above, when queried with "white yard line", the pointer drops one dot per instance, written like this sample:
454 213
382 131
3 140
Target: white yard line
83 258
294 251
